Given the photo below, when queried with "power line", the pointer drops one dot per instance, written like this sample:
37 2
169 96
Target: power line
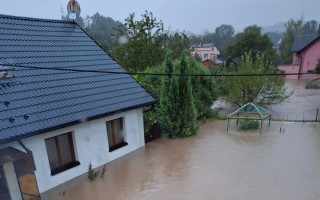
150 74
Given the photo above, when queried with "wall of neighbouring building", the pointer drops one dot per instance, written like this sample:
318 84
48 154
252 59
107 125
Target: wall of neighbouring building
310 60
288 69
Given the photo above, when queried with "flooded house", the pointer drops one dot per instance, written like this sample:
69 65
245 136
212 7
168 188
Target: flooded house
306 57
65 103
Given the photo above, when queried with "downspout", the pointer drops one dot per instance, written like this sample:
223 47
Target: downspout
24 146
300 66
28 152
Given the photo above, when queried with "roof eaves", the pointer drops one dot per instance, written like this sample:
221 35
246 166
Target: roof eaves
11 139
311 43
110 56
302 42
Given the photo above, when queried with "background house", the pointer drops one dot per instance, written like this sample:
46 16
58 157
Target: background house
55 121
306 54
205 51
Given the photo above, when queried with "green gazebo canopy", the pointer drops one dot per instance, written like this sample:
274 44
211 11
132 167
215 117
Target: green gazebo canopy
250 111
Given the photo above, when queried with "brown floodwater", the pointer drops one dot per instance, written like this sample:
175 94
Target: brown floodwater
301 105
212 165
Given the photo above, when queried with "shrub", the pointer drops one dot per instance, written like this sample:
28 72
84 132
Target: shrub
314 84
93 174
248 124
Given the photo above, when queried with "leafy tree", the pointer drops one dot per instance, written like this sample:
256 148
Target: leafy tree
224 36
310 27
80 21
293 28
252 40
224 31
101 29
274 37
145 42
177 113
177 43
204 88
261 90
195 39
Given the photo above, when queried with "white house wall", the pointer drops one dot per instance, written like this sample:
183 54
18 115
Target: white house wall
12 181
91 145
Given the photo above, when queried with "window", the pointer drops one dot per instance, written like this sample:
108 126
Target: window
205 56
116 135
60 151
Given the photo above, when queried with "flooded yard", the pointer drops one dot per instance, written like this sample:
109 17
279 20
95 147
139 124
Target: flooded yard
212 165
302 105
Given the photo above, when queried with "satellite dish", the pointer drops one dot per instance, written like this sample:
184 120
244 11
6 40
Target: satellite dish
73 8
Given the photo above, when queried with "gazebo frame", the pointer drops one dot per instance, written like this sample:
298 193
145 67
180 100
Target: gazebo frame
250 109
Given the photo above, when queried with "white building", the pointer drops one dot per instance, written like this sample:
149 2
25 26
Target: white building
54 123
205 51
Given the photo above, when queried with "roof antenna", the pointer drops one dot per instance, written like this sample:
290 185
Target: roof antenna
73 8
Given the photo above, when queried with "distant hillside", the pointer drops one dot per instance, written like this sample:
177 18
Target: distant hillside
278 27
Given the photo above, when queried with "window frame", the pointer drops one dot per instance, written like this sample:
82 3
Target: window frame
205 56
123 143
71 147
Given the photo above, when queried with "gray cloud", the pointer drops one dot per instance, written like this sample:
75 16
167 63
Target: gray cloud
189 15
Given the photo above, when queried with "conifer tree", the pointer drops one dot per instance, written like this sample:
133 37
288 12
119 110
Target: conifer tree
176 112
165 112
185 103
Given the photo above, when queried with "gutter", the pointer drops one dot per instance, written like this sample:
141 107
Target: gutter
152 107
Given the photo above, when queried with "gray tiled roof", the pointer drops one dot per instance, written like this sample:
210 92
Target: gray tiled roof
202 45
300 42
40 100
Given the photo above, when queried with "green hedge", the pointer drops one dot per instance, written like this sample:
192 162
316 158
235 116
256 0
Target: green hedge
248 124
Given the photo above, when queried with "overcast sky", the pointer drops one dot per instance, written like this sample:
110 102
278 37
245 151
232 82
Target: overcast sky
189 15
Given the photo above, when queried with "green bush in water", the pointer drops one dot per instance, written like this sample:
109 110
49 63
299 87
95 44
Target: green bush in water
248 124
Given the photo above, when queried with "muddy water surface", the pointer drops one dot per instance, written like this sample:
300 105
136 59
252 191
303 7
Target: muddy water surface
212 165
302 104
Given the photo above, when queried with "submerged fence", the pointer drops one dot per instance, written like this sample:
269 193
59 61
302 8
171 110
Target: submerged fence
305 116
289 116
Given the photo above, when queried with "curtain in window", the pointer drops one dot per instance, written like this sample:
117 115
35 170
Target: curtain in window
60 152
115 132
